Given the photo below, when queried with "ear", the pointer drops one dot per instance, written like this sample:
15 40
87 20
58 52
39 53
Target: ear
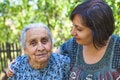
25 50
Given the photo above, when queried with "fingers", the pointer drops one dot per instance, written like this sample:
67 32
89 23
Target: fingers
9 73
12 61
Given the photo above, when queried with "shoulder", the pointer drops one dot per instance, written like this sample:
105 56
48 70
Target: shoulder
68 46
116 43
21 59
59 59
117 40
59 66
69 42
116 52
60 62
19 63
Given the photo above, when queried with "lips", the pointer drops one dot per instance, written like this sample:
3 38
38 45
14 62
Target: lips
41 55
77 39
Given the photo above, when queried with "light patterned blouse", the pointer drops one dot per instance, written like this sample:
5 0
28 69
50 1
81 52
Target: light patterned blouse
57 69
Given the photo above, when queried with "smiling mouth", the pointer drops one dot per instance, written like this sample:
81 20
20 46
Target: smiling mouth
41 55
77 38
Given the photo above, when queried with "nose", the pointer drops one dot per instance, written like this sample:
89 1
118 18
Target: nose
73 31
40 47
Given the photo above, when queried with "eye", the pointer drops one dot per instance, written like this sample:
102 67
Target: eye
78 28
44 40
33 43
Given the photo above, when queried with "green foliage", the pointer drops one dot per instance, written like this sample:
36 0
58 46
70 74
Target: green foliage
115 5
15 14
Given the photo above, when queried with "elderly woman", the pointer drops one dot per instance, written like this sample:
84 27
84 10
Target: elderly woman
39 63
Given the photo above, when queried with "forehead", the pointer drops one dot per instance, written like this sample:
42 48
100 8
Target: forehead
36 32
78 18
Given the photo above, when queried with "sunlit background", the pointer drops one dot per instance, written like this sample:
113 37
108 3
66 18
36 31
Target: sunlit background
15 14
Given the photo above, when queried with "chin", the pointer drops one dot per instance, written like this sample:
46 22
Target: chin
45 59
79 42
42 58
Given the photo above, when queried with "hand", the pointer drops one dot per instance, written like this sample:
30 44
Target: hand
57 50
10 71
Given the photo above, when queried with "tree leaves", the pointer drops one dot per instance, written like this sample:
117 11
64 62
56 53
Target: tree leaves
15 14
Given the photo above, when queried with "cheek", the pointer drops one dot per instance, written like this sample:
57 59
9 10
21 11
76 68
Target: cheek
82 35
48 47
85 36
88 37
30 50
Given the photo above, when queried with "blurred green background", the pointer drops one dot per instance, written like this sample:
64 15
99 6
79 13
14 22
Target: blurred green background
15 14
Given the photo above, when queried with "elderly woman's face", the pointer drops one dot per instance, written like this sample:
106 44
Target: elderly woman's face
38 45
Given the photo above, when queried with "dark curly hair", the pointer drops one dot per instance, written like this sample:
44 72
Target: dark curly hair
97 16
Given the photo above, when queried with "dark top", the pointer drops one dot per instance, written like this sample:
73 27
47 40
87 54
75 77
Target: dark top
108 68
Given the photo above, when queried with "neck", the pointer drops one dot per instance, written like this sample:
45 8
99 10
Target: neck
38 65
90 48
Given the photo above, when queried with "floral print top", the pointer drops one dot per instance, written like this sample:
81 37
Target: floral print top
57 69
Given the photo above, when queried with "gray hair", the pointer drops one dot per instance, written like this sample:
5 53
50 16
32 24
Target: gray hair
33 25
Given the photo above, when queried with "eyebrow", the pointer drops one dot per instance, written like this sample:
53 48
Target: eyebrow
31 40
43 37
77 26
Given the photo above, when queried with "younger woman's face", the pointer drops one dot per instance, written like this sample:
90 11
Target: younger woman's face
81 33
